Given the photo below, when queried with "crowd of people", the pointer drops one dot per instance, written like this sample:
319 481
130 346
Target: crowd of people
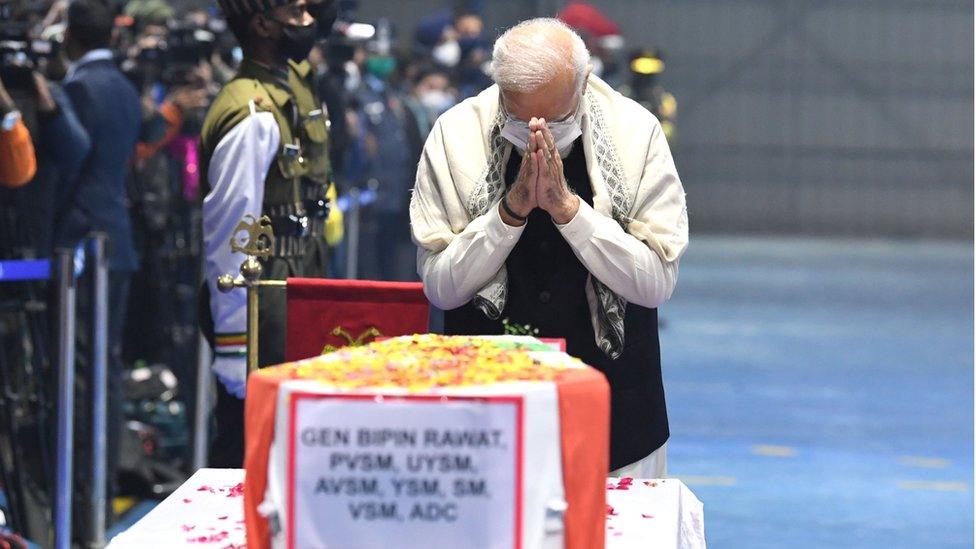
383 86
102 125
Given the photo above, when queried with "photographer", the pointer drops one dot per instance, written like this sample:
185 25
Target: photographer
57 145
52 133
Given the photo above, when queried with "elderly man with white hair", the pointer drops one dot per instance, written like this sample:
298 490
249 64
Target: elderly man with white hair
551 200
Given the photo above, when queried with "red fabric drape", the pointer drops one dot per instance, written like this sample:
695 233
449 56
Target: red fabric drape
317 307
584 423
587 18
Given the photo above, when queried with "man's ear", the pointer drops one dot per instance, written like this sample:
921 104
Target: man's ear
586 79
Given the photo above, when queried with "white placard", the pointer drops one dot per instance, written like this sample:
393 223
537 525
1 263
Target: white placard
408 472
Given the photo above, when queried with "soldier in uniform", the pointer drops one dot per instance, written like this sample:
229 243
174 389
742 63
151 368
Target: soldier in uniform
265 152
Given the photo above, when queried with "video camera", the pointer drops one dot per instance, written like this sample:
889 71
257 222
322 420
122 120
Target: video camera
182 45
190 45
19 53
347 35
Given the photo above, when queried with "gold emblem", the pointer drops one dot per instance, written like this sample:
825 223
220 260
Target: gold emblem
258 240
339 331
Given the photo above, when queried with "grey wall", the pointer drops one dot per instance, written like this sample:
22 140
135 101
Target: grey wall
801 116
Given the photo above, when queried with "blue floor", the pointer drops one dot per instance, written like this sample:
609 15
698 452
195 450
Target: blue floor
821 392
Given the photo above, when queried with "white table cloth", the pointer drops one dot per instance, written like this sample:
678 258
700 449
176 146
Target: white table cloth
208 512
642 514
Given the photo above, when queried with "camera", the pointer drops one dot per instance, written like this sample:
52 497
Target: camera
19 53
189 45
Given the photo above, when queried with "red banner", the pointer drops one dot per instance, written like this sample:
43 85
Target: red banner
325 314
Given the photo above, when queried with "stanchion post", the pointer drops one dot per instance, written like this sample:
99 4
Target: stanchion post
200 422
352 239
252 321
99 465
66 400
250 278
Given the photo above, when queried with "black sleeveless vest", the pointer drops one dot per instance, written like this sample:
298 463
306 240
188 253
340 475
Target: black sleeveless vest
547 290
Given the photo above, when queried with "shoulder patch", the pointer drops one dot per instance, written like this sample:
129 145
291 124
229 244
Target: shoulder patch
239 98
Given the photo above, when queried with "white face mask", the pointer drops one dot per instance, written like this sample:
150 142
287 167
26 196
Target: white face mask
564 132
447 54
436 101
353 78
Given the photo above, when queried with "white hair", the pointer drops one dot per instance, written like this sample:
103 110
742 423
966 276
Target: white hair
524 59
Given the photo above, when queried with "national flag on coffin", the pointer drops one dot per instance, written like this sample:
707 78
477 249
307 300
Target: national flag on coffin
510 449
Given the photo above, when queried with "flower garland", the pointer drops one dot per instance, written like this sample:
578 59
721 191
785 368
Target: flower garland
421 362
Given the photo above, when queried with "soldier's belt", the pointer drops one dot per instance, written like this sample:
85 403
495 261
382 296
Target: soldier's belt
316 208
297 219
295 234
316 227
289 246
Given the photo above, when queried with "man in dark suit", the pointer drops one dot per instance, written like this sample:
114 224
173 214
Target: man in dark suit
109 109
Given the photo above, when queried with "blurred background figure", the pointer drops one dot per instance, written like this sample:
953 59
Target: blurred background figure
436 36
430 96
453 41
472 68
602 36
109 110
382 125
18 162
644 86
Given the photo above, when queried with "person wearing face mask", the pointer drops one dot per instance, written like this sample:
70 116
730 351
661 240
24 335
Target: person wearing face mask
551 200
470 73
383 120
447 53
437 35
264 151
430 96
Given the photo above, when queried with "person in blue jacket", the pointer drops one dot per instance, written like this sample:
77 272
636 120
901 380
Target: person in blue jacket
109 109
